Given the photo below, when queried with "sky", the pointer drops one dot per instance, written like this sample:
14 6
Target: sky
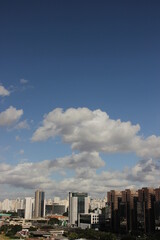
79 96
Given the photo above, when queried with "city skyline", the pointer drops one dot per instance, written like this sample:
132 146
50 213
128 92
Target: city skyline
122 212
79 93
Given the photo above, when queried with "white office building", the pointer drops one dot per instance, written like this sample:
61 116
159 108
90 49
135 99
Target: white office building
78 203
29 206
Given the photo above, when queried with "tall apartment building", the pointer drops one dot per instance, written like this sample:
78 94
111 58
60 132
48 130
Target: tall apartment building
157 194
6 205
157 208
146 197
39 204
12 205
78 203
129 213
29 207
132 210
114 200
19 204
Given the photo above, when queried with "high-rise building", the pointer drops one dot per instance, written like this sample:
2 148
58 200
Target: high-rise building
157 194
39 204
131 211
157 208
6 205
78 203
114 200
19 204
29 206
129 201
146 197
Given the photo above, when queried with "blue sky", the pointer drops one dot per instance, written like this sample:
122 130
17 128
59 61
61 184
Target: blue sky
78 54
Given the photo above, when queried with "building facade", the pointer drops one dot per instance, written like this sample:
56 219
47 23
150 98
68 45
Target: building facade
29 207
88 220
39 204
114 200
78 203
134 210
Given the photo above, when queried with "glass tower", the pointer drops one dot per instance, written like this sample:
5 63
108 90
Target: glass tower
39 204
78 203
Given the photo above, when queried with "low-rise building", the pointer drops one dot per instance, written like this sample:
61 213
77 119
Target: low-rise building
88 220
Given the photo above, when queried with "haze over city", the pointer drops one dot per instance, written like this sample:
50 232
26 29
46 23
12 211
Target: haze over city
79 96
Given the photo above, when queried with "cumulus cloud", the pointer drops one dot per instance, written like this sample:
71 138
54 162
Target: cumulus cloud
80 160
4 91
149 147
26 175
10 116
88 131
22 125
29 175
145 171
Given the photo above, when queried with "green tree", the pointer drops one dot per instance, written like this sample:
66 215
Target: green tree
73 235
107 236
13 230
13 214
32 228
89 234
3 229
53 221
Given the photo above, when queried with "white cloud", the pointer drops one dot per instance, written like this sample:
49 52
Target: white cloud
4 91
23 81
10 116
145 171
22 125
80 160
29 175
89 131
149 147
